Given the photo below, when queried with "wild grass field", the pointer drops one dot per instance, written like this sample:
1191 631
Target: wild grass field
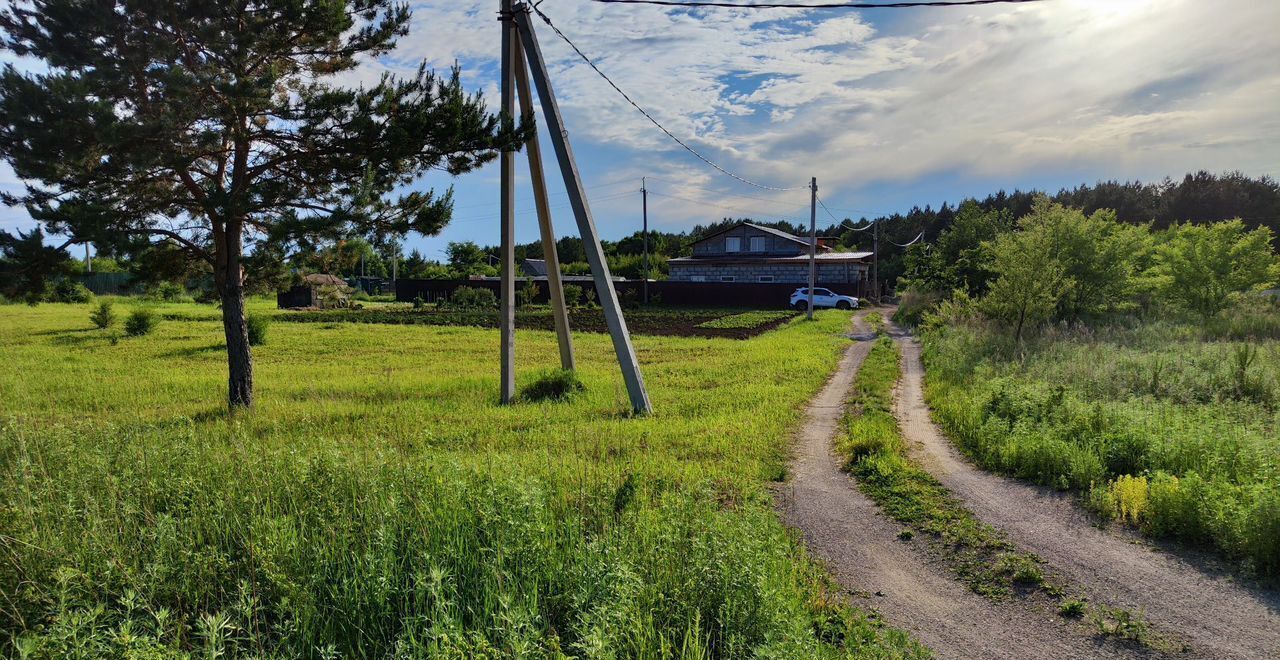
378 502
1170 427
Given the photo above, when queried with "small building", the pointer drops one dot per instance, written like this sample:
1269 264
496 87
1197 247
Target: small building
748 252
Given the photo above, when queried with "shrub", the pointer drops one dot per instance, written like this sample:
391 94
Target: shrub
913 306
418 302
257 325
470 297
334 296
166 291
140 322
69 291
556 385
527 293
572 295
591 297
103 316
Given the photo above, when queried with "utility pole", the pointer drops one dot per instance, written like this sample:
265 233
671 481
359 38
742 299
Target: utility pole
88 261
813 241
507 172
644 205
875 263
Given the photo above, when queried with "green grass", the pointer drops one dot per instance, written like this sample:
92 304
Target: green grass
378 501
753 319
1155 425
979 554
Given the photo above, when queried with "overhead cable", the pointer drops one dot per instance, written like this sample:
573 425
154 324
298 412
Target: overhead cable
648 116
827 5
909 243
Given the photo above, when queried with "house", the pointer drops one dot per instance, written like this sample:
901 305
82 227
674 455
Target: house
748 252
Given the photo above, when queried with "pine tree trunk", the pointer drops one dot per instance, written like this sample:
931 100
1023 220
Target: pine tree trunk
239 360
230 282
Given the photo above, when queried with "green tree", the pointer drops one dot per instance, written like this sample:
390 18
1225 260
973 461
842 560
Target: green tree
467 258
27 264
207 123
1030 280
1200 266
1099 255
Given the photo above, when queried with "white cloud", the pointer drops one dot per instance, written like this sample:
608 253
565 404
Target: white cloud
1122 87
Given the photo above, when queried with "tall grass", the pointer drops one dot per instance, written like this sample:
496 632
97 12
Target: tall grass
1115 410
379 502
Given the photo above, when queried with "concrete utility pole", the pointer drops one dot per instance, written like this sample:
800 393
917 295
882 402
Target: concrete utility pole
507 207
813 241
608 296
88 261
555 286
875 263
644 205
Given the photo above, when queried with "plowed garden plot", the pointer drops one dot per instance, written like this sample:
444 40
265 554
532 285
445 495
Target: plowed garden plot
733 324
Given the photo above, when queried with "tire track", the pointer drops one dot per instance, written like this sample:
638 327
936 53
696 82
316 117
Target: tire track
1218 615
844 528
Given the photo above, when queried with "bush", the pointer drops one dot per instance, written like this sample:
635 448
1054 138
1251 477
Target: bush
69 291
140 322
527 293
470 297
167 291
572 295
556 385
103 317
257 324
418 302
914 305
334 296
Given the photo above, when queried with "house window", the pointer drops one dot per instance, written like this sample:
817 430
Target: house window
733 244
765 278
698 278
757 244
728 278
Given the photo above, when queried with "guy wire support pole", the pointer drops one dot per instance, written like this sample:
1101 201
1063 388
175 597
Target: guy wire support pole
644 206
813 241
507 172
555 286
608 296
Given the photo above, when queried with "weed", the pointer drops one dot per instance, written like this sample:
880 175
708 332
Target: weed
555 385
1072 608
1119 623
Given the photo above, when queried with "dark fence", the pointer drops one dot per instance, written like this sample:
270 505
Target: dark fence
107 283
751 295
298 296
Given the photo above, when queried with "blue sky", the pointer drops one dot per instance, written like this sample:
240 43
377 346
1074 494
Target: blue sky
888 108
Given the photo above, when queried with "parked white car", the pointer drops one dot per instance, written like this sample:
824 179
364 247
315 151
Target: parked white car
821 298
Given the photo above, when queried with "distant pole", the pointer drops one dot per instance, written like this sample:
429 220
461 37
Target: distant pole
88 262
875 262
507 174
813 241
644 205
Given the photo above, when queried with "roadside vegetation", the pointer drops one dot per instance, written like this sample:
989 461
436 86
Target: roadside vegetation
1135 367
377 501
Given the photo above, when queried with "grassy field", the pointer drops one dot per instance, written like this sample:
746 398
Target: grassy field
378 502
1164 426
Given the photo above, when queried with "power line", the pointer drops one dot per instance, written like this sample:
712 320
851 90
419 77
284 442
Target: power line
831 5
644 112
908 243
726 208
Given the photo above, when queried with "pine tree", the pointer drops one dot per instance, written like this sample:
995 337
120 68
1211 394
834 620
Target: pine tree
210 124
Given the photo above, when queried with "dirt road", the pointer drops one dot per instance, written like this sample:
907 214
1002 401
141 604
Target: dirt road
1220 617
861 547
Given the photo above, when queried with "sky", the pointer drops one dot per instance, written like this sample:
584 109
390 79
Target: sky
889 109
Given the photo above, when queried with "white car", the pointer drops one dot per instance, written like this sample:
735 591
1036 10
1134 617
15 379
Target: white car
821 298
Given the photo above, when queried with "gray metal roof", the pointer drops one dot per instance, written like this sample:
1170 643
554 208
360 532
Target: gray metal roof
770 230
